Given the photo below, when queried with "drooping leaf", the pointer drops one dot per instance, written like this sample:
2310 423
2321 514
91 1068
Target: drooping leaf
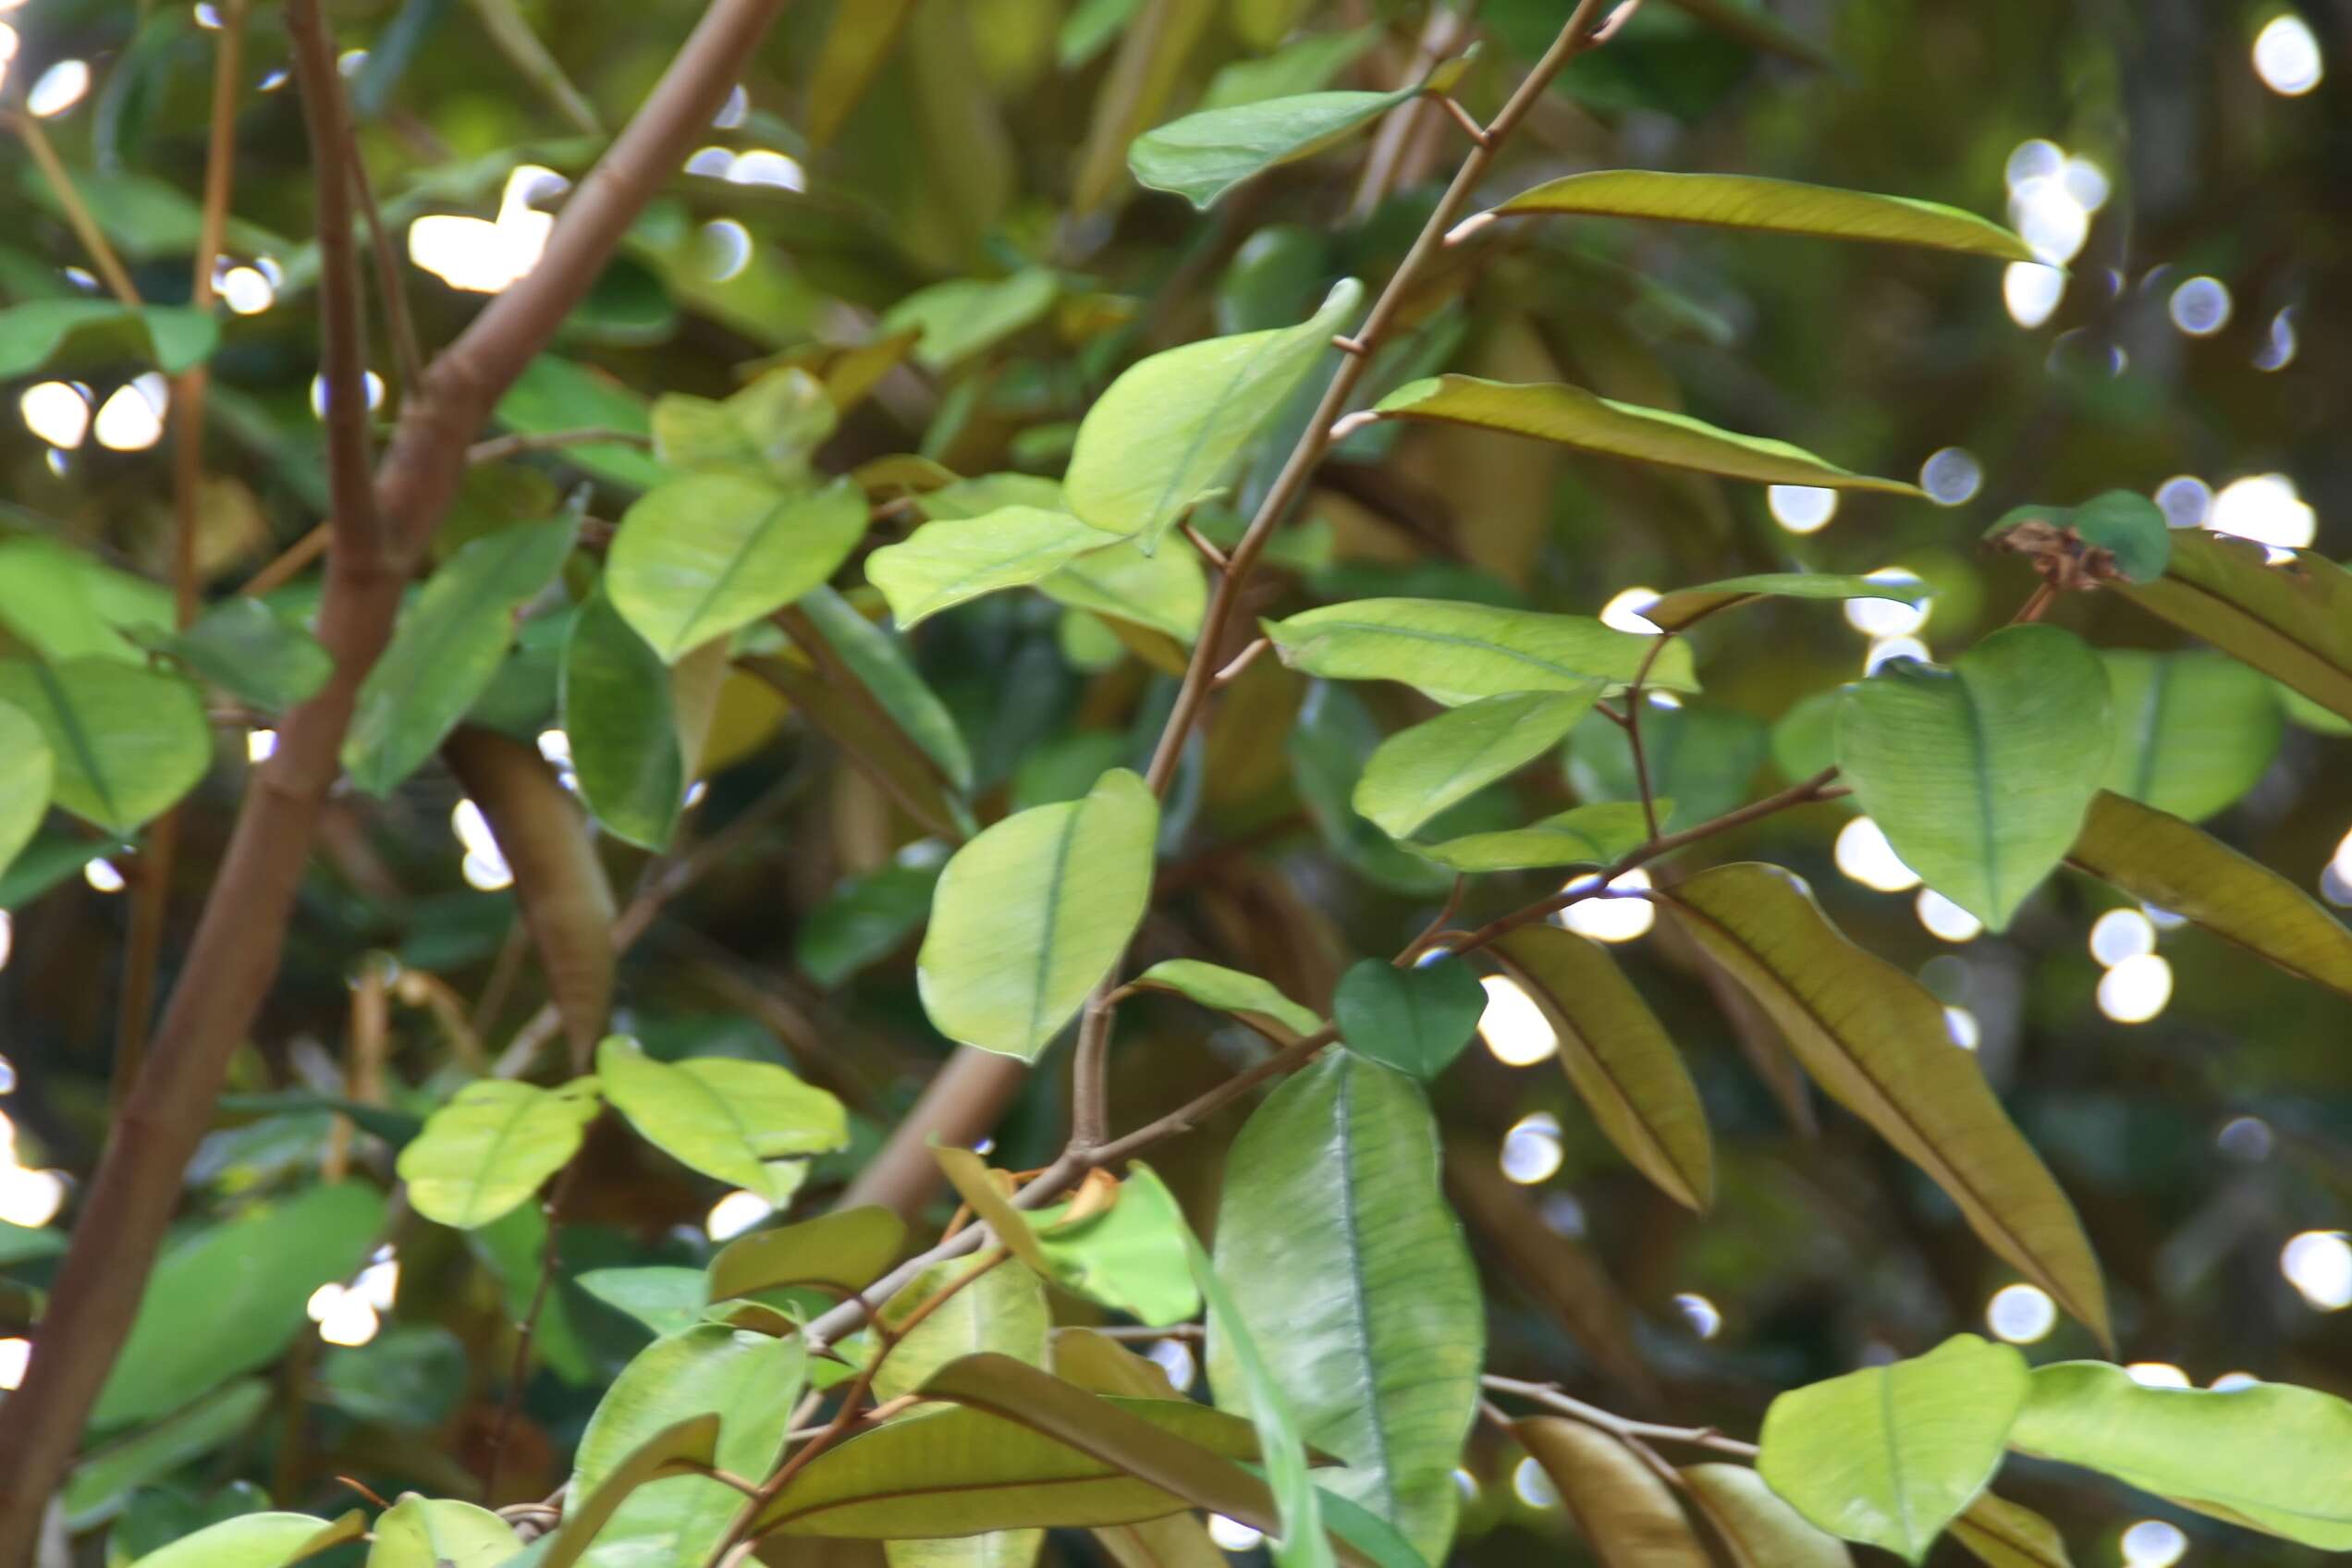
1415 1019
1701 758
419 1532
123 742
1033 912
1230 990
2270 1457
248 649
2194 732
855 46
1776 206
1167 434
1618 1057
1579 836
1249 1381
1003 1310
1206 153
616 714
732 1120
1622 1509
1164 592
257 1540
880 663
673 1450
943 564
988 1194
1573 417
1681 609
1419 771
1981 774
27 768
1756 1527
1999 1533
1876 1040
844 1251
2292 620
2176 867
174 337
1348 1269
254 1276
2118 536
493 1146
1131 1257
447 648
971 315
1891 1455
699 557
1457 652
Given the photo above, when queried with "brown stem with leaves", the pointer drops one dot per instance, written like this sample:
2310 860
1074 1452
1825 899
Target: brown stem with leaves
234 955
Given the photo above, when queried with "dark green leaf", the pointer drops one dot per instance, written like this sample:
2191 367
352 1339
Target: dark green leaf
1415 1020
623 731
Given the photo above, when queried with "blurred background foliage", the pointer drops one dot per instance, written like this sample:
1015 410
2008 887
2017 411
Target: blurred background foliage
2190 161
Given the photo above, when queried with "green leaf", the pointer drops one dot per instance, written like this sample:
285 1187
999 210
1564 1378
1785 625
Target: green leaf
1805 738
749 1381
618 715
1981 774
1348 1269
105 1480
2001 1534
1775 206
764 433
1756 1527
1415 1020
64 604
1617 1058
1891 1455
257 1540
2292 620
2194 732
1001 1311
1229 990
971 315
880 663
728 1119
493 1146
419 1532
1167 434
2175 867
842 1252
248 649
664 1297
175 337
555 394
1682 608
123 742
447 648
1203 155
1130 1256
1700 758
1876 1040
1622 1509
943 564
1165 592
1333 739
1580 835
673 1450
699 557
1033 912
1419 771
27 768
1457 652
2270 1457
2118 535
1248 1381
1573 417
867 918
254 1276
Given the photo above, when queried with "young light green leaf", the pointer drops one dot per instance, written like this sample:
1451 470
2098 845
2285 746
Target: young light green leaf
970 316
1682 608
1573 417
2291 620
1203 155
1457 652
1419 771
491 1147
1003 1310
1891 1455
943 564
1579 836
1247 1381
1618 1057
1999 1533
678 1449
735 1120
1756 1527
614 701
2270 1457
699 557
1033 912
248 649
257 1540
764 433
1130 1256
2175 867
447 648
1348 1269
123 742
2194 732
1776 206
1622 1509
1981 774
1415 1020
1168 432
880 663
843 1251
27 768
1230 990
2119 536
419 1532
1877 1041
1701 758
1165 590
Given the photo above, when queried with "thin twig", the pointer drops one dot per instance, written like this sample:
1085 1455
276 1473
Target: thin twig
500 447
1633 734
77 215
390 282
1438 923
1549 1396
518 1367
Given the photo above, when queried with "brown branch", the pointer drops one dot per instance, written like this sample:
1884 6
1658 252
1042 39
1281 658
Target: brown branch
1633 1432
1633 734
519 1368
69 202
235 952
500 447
408 352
